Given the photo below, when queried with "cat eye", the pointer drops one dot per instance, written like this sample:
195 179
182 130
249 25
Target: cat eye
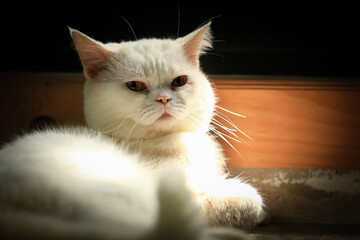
179 81
136 86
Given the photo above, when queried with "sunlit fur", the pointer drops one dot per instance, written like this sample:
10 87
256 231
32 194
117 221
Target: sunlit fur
136 173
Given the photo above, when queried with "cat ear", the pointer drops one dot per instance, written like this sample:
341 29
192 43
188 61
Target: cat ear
93 55
196 43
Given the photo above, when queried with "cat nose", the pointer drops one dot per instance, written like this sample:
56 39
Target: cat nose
163 98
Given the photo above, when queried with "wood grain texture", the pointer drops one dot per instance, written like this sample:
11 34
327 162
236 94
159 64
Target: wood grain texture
295 122
24 97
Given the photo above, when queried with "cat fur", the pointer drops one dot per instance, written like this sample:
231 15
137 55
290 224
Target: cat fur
131 174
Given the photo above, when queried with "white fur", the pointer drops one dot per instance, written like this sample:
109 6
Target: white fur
45 178
152 178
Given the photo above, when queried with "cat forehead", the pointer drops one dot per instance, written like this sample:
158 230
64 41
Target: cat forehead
146 47
147 57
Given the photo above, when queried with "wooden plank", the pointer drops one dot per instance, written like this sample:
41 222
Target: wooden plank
24 98
295 122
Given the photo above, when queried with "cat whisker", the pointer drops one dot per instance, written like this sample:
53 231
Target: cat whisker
178 22
105 132
228 120
229 130
128 25
219 40
196 119
226 110
239 176
193 118
215 54
223 134
110 130
133 127
217 152
147 114
210 19
227 141
122 122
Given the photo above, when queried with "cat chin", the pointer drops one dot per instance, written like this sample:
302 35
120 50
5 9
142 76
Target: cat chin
164 118
165 121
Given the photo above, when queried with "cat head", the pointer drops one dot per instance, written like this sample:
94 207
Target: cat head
148 87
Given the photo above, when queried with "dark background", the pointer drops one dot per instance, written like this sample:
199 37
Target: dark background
319 40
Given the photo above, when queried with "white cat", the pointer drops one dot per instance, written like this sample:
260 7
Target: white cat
158 174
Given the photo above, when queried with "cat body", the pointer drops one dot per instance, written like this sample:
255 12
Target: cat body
73 183
157 173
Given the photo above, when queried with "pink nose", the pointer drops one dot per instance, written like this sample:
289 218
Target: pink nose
163 99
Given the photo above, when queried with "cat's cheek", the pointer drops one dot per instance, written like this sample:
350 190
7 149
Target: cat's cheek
187 95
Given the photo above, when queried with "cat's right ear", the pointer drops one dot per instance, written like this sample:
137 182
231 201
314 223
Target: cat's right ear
196 43
94 57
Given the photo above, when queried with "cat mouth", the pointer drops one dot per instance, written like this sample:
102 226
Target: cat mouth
165 116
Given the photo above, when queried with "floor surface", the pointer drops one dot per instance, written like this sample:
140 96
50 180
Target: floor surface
305 232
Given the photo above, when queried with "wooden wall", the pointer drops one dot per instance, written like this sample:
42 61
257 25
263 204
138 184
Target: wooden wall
294 123
25 98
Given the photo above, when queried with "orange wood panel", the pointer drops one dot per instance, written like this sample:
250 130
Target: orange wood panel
24 97
294 124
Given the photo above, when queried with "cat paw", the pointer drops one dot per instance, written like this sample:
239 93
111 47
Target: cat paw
232 203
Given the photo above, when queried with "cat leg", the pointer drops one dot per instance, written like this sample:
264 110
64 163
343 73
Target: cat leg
229 202
180 217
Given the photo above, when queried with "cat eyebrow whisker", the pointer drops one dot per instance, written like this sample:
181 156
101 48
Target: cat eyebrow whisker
215 54
128 25
178 22
210 19
219 40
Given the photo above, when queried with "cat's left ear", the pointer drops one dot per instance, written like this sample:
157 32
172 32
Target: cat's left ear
196 43
94 57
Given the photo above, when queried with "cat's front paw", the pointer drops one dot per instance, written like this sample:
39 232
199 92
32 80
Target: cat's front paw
232 203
